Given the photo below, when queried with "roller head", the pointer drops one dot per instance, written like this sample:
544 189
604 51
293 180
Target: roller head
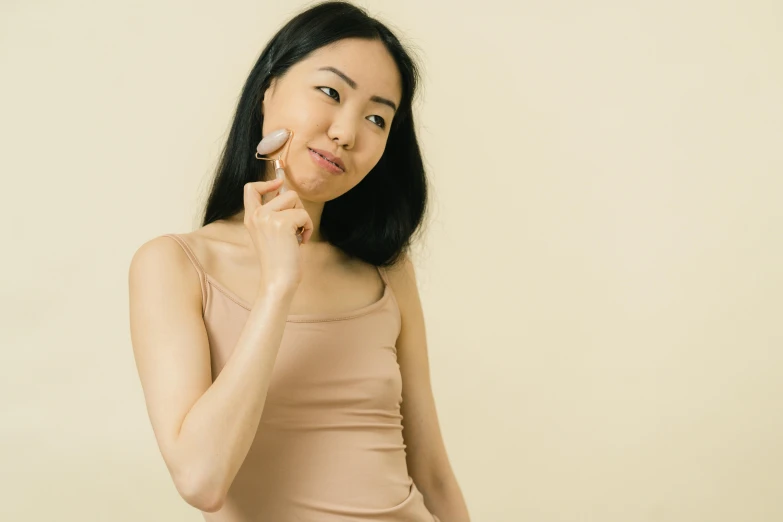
273 141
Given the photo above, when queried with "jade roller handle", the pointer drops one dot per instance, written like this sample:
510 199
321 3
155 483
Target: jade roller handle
280 174
270 143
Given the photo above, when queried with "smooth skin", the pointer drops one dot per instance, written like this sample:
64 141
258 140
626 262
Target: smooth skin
202 446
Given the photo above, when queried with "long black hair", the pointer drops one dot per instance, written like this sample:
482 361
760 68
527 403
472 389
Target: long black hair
376 219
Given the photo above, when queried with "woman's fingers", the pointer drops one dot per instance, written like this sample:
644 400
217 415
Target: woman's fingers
287 203
253 192
303 222
291 206
286 200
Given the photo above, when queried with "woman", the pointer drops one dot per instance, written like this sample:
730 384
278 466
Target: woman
280 378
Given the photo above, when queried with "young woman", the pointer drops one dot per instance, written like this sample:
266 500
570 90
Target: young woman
287 381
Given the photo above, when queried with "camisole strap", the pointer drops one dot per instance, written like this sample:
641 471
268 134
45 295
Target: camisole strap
202 276
383 275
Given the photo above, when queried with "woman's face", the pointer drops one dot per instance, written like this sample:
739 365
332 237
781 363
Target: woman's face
349 118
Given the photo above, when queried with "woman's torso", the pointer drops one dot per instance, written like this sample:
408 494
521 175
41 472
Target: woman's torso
329 445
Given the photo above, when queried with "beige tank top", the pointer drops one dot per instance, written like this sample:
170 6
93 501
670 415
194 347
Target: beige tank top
329 445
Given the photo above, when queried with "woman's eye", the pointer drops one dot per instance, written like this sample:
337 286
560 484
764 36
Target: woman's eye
338 94
381 123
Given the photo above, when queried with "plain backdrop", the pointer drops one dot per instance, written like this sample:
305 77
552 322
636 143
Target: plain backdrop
601 271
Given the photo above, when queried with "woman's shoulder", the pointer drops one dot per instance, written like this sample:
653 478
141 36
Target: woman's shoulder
180 263
171 252
161 266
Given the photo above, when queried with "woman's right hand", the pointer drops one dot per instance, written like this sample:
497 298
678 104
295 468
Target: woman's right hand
273 226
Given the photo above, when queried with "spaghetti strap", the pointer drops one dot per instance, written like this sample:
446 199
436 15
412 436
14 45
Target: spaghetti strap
383 275
202 276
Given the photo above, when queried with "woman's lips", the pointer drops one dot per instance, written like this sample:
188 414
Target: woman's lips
324 163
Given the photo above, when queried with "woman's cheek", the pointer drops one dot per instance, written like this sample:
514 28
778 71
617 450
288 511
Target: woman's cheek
311 113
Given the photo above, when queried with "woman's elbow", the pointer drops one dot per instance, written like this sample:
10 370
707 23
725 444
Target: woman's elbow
203 495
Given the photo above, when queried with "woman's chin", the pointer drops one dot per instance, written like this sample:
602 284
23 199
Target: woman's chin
312 186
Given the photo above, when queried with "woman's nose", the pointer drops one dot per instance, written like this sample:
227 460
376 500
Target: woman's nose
343 133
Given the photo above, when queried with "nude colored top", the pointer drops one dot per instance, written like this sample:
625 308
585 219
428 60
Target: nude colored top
329 445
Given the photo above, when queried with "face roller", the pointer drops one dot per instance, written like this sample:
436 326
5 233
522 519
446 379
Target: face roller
270 143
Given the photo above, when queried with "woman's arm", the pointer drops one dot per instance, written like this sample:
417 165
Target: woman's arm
204 430
428 463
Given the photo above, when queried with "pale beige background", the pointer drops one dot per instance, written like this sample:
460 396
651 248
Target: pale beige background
602 274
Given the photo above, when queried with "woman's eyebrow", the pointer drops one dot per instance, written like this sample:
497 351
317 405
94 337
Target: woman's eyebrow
353 85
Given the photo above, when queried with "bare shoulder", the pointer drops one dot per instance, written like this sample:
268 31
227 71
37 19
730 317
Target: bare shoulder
162 264
402 278
159 254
